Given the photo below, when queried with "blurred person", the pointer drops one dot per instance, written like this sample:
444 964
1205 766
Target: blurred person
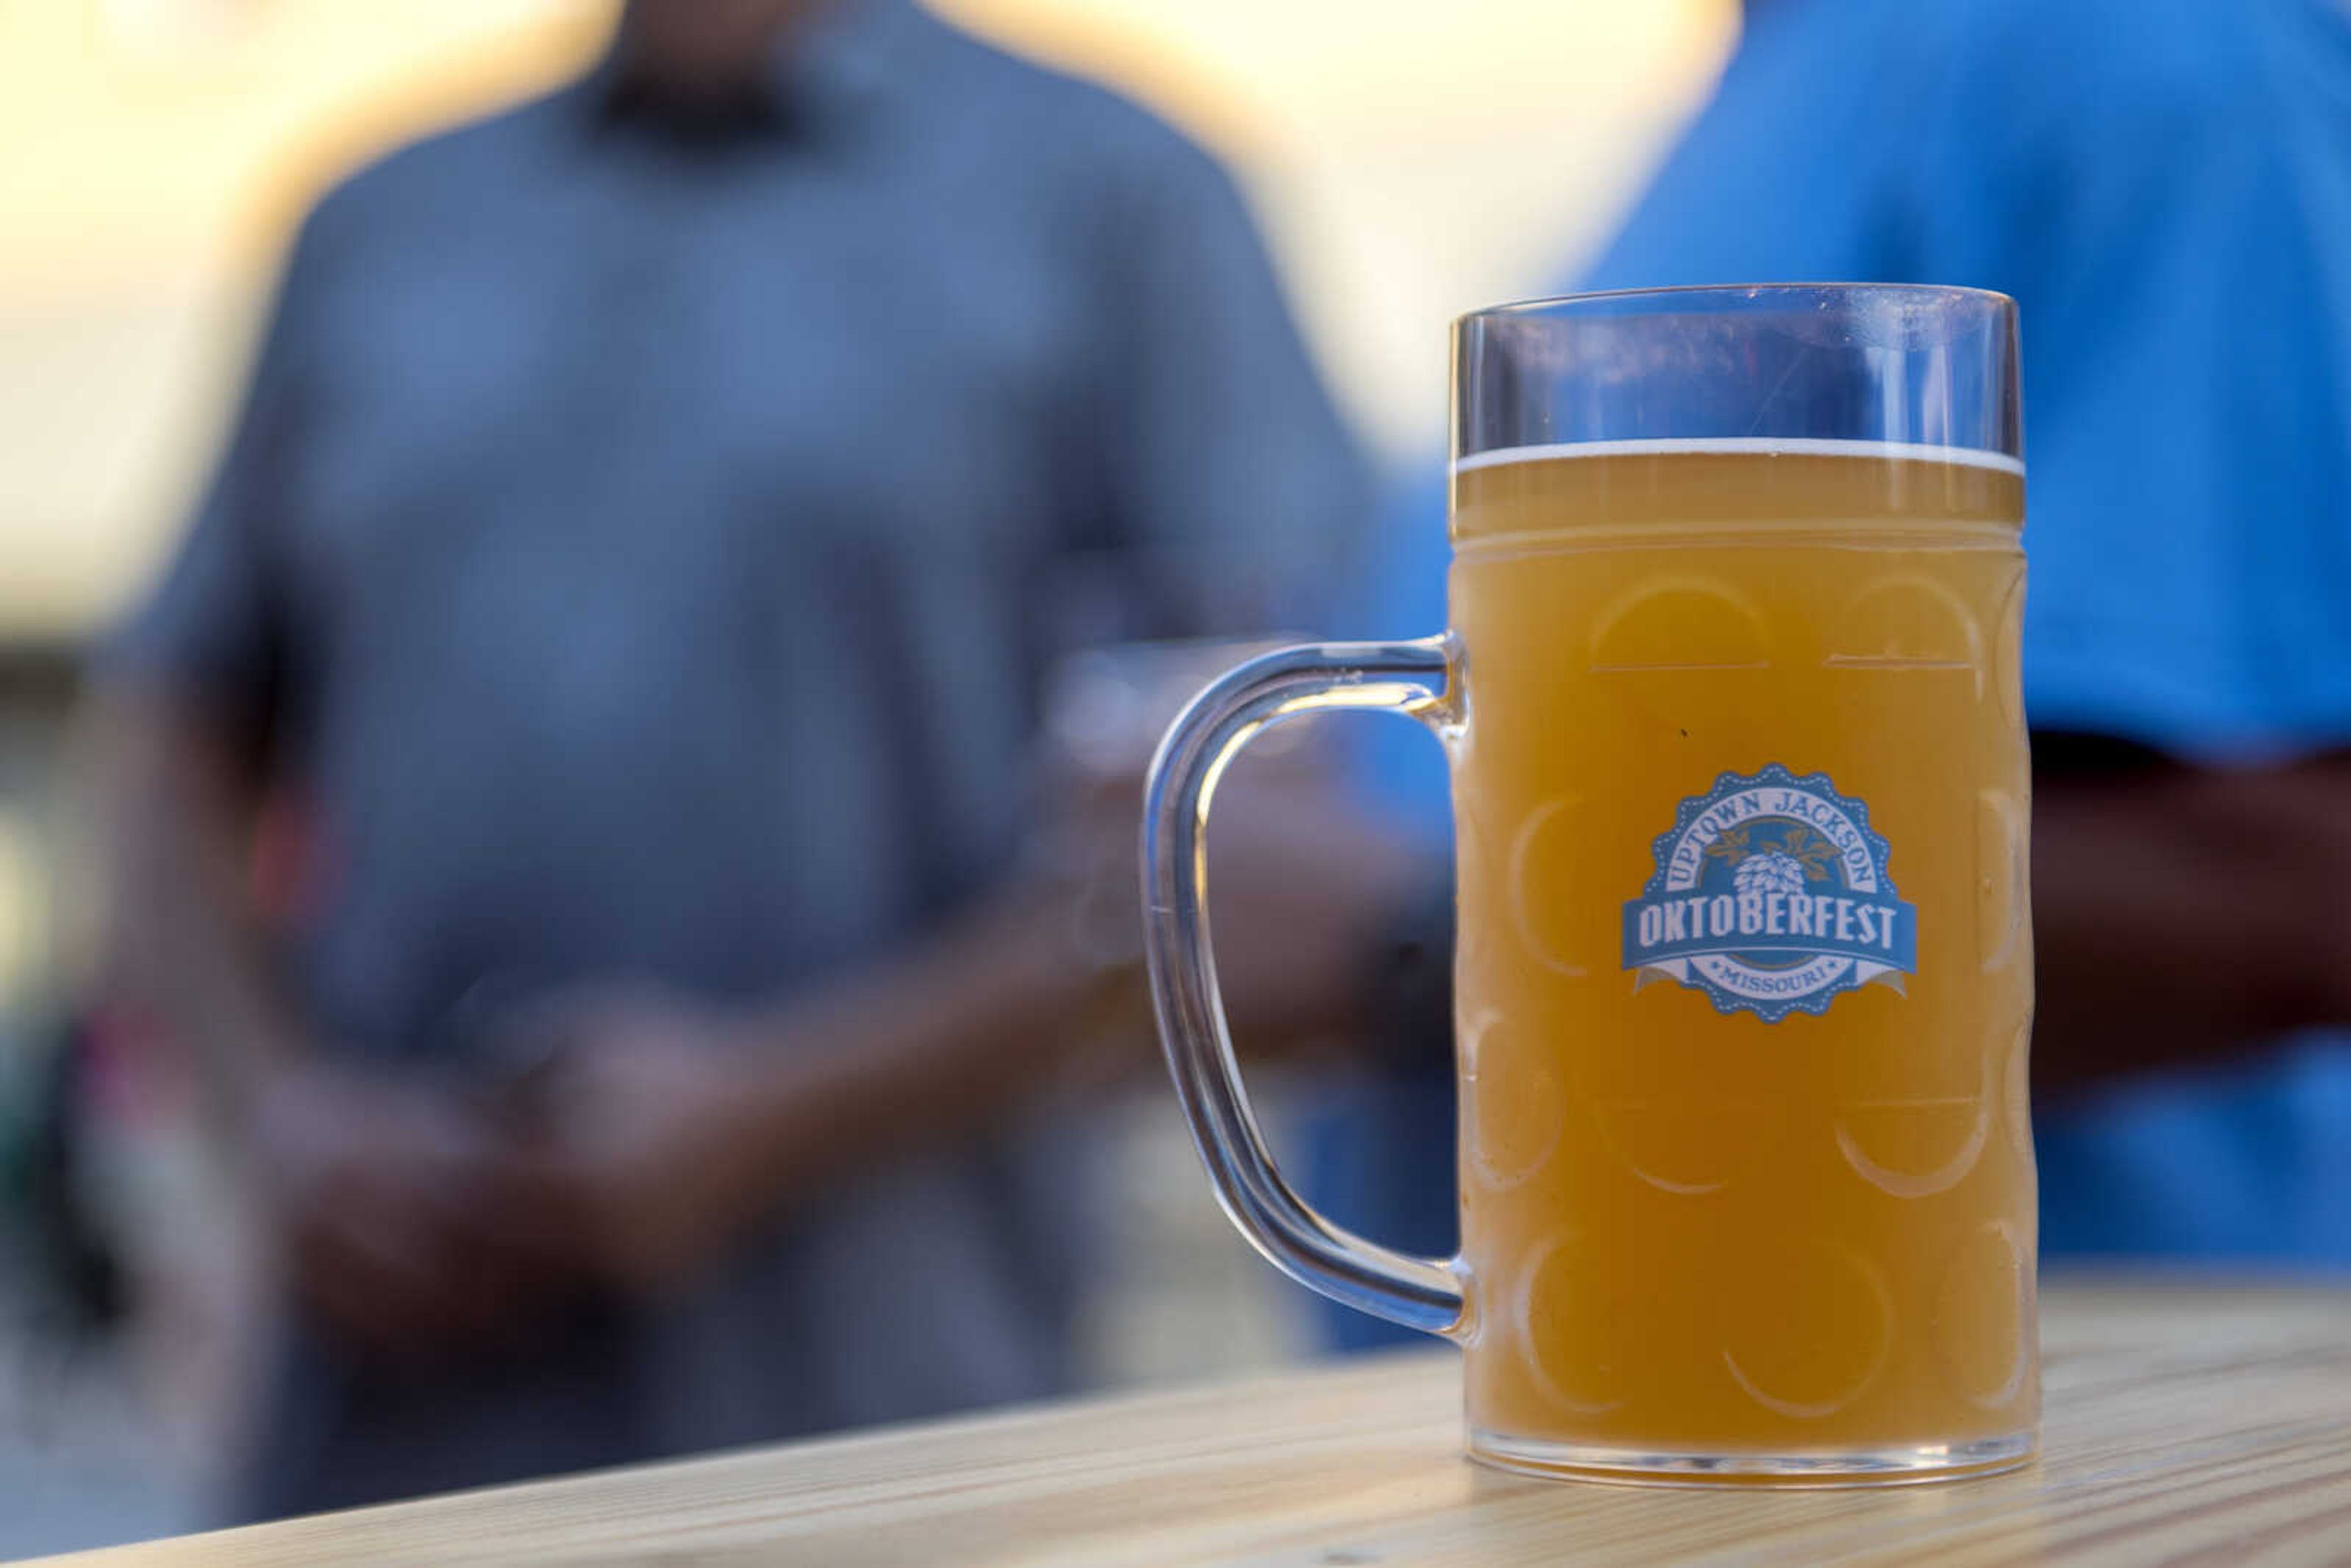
622 602
2165 187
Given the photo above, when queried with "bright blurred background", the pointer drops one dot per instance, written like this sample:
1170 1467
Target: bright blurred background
1407 161
159 151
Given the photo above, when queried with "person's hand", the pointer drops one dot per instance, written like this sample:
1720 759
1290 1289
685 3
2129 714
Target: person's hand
405 1231
1303 887
637 1124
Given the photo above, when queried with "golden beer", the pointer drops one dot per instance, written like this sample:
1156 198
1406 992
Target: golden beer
1745 971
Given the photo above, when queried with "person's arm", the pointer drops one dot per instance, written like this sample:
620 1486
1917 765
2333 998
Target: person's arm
395 1220
2184 536
186 691
2180 913
400 1230
178 795
671 1127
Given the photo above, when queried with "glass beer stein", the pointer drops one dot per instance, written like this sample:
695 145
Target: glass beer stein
1744 979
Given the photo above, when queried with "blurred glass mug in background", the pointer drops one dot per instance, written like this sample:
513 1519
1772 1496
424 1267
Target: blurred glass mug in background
1744 982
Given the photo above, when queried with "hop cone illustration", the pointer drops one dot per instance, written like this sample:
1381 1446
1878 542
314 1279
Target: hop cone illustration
1769 871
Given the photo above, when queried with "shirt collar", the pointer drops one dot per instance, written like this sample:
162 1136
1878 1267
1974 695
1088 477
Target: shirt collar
835 65
850 54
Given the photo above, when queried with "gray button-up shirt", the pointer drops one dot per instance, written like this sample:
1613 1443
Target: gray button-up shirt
644 540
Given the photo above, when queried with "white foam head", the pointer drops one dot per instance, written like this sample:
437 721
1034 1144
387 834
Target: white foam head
1763 445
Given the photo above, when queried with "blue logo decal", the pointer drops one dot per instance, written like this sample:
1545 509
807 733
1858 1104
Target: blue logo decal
1771 896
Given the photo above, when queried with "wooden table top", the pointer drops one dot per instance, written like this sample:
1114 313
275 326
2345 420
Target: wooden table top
2185 1425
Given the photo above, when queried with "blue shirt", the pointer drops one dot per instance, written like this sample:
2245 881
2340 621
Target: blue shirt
644 542
2165 186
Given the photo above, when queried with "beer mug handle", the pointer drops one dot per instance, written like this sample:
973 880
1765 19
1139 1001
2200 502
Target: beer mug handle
1412 678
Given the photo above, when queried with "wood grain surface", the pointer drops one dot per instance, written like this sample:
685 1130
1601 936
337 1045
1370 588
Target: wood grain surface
2186 1425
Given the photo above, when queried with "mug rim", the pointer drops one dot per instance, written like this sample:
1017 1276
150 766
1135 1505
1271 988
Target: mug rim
1564 304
